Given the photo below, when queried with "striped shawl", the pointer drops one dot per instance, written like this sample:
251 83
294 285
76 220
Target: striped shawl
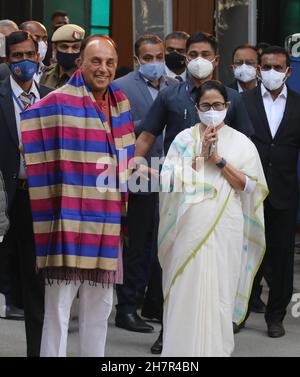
77 226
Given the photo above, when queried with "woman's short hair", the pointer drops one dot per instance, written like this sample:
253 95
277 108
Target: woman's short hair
211 85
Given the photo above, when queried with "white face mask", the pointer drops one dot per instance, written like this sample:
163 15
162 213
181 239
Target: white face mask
42 50
245 73
212 118
200 68
272 79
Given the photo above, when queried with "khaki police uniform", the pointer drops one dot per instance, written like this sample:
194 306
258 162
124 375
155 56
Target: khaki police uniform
55 76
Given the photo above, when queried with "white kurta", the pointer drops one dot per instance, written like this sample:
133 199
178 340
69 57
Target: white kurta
210 247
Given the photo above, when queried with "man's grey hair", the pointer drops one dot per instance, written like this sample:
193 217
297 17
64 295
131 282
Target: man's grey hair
4 24
8 23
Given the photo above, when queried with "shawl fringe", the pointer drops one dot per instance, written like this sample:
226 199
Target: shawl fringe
65 275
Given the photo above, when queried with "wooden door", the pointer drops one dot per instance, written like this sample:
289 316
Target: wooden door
122 30
193 15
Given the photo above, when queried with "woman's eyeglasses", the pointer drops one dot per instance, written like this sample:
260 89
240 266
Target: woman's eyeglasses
218 106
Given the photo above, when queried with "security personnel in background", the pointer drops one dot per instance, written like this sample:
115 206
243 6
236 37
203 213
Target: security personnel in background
66 43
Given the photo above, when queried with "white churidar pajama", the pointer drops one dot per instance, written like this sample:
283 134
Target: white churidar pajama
95 304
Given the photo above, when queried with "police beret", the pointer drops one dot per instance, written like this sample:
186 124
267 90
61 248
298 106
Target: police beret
68 33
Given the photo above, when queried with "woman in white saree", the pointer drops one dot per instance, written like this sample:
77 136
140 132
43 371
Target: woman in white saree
211 235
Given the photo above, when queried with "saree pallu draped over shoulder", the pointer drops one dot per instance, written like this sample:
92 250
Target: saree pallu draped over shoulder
77 167
211 244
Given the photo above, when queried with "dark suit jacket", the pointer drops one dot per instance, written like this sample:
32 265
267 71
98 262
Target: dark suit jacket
9 142
279 155
4 71
3 207
233 85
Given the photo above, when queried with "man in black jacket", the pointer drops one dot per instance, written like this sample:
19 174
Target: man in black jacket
244 67
17 92
275 114
4 223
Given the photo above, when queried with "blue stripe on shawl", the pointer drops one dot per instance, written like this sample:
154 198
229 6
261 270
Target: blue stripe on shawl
60 110
73 145
122 119
77 249
130 150
67 214
67 144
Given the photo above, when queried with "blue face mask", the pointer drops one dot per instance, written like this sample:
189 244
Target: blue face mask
153 71
24 70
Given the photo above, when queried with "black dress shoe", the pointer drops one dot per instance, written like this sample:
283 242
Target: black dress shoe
14 313
156 349
237 328
257 305
132 322
275 329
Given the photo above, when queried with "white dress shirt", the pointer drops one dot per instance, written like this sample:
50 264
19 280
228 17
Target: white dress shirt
173 75
274 109
17 90
41 69
240 89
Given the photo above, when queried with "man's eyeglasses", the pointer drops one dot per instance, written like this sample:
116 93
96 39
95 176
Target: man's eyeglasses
218 106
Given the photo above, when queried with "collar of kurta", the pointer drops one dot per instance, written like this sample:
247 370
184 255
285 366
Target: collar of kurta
103 102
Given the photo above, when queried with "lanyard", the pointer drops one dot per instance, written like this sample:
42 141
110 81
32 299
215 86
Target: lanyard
19 103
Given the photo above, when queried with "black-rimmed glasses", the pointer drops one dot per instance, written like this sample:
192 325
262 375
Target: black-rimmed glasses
217 106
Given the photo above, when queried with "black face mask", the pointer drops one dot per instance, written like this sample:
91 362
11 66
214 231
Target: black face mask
175 61
66 60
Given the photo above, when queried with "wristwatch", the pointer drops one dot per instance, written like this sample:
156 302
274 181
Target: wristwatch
221 164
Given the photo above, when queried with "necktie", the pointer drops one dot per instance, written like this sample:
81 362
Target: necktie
179 78
26 99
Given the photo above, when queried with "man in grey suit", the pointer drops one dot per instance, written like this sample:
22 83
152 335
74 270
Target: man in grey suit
141 88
